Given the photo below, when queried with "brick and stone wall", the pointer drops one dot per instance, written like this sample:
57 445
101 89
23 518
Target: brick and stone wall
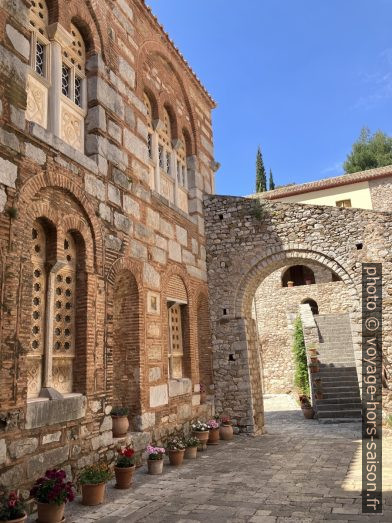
130 241
276 308
247 241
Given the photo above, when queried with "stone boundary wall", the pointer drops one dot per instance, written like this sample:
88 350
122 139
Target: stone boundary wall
247 240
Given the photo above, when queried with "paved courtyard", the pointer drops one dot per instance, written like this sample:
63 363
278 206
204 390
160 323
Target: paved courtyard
300 471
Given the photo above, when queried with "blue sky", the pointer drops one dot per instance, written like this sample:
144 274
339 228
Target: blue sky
300 78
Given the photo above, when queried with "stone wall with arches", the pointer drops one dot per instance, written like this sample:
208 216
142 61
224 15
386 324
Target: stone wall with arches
89 243
275 309
247 241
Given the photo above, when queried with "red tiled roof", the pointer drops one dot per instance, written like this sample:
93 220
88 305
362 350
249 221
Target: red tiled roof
327 183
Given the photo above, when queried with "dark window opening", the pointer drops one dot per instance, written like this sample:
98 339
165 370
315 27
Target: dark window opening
298 275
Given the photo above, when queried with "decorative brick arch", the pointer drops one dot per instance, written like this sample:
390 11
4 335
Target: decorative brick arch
124 336
150 49
248 239
58 181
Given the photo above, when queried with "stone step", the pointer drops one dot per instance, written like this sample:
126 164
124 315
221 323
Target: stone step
340 394
340 401
321 407
337 364
354 413
326 421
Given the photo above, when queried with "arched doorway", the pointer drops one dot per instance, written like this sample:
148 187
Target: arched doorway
313 306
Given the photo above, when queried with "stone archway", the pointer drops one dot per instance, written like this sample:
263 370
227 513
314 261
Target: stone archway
246 241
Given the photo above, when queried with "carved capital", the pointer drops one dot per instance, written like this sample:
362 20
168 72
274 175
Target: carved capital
158 124
57 33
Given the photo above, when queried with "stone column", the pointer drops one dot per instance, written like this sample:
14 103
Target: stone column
173 168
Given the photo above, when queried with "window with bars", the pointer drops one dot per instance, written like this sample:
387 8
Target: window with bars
40 58
168 162
176 350
65 80
149 145
160 156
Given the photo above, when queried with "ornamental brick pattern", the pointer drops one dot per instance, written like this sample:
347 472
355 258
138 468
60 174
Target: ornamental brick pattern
132 247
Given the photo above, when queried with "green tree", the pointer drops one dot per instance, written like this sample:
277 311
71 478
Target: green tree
369 151
271 181
261 178
301 377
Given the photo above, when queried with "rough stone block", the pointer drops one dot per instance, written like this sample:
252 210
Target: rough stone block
3 199
113 243
135 146
103 440
35 153
102 92
152 219
180 387
106 424
121 179
144 233
8 173
154 374
159 255
166 228
142 129
46 413
115 131
127 72
122 223
175 251
145 421
131 206
137 249
96 118
51 438
22 447
18 117
3 451
114 194
105 212
161 242
158 395
150 276
37 465
19 42
181 235
95 186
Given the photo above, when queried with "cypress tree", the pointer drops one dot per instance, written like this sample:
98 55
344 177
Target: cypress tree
271 181
261 179
301 378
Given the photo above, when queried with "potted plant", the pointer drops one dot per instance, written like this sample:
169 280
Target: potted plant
306 407
155 459
93 480
201 431
191 444
12 508
120 421
312 351
175 449
124 467
213 436
314 367
51 492
226 429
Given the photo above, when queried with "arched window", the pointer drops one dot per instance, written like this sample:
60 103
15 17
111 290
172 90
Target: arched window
39 75
177 305
165 144
150 130
52 350
73 101
181 164
297 275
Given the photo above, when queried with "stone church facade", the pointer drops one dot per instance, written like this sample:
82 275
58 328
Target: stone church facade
105 153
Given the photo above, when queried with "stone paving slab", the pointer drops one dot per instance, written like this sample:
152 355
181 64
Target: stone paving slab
300 471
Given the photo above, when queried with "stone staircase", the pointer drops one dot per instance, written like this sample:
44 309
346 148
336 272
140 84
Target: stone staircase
341 397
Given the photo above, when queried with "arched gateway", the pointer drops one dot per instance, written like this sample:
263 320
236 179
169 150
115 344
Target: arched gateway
246 241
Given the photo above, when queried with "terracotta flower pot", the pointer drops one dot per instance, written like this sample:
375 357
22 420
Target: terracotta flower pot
308 412
155 466
124 476
290 284
93 494
202 436
50 512
314 368
190 453
176 457
213 437
226 432
120 426
17 520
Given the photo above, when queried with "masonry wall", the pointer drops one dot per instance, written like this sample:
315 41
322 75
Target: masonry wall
132 240
247 241
276 308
